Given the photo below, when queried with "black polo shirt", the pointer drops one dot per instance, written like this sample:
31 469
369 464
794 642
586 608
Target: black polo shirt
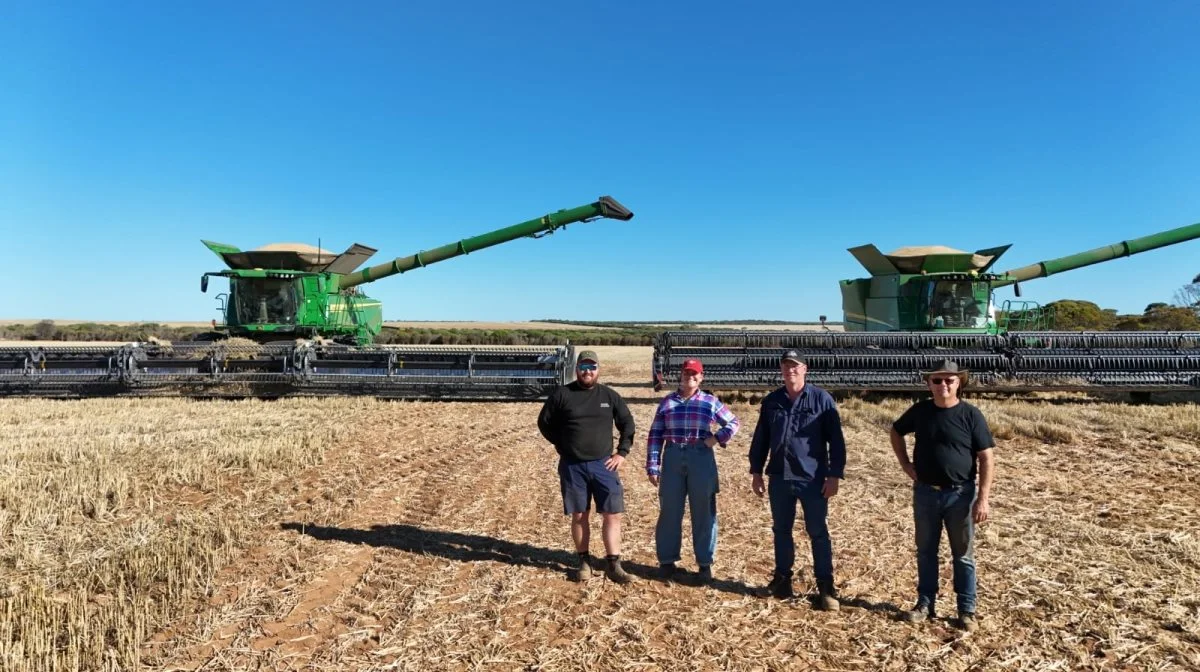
948 441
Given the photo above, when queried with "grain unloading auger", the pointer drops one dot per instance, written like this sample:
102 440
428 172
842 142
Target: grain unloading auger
296 322
923 305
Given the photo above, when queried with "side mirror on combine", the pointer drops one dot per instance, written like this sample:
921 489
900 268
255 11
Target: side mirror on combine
203 284
1017 288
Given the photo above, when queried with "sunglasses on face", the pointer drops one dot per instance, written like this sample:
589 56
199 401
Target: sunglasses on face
939 381
588 367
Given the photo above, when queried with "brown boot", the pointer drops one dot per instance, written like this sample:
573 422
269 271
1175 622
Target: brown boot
827 596
584 571
967 621
921 611
616 573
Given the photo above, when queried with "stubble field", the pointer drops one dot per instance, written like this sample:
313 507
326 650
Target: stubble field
353 534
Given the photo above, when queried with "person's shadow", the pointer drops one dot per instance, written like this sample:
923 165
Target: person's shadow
465 547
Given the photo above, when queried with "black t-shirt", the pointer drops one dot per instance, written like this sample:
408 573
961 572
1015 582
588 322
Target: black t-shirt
579 422
948 440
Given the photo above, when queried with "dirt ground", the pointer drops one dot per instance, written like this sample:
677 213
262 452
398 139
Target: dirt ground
430 536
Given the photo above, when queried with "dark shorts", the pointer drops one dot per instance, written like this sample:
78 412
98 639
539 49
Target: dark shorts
582 482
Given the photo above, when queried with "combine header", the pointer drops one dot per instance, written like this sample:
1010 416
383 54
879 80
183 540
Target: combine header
296 322
923 305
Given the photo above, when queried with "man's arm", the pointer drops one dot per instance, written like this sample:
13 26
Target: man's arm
545 421
982 443
760 443
901 451
625 425
982 501
654 440
832 423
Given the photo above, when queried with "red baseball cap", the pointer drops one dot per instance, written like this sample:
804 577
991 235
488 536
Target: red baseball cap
693 365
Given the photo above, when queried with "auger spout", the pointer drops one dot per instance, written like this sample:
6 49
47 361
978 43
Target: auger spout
606 206
1104 253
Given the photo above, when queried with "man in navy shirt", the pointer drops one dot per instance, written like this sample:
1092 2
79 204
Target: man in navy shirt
798 442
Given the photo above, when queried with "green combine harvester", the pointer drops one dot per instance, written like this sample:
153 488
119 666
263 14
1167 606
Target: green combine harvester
295 321
923 305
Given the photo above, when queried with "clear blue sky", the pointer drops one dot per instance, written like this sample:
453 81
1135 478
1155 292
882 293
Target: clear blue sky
755 142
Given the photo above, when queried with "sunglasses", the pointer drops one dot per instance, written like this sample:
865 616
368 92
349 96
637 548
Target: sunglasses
939 381
588 367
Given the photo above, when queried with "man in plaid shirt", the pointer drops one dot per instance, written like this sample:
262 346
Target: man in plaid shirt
681 463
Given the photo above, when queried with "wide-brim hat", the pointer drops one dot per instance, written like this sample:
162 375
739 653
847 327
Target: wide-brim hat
949 367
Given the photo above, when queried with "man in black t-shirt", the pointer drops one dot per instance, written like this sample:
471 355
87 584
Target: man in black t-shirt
578 420
953 442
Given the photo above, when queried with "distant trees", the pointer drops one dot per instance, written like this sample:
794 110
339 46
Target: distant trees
45 330
1188 296
1071 315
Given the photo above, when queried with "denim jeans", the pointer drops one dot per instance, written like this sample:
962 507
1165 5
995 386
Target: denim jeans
934 510
689 471
783 496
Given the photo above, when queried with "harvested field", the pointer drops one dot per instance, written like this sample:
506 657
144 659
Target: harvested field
352 534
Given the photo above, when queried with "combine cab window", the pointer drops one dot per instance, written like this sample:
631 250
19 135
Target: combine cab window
957 304
265 301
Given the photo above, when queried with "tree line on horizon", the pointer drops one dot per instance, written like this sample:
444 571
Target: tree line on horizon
1069 315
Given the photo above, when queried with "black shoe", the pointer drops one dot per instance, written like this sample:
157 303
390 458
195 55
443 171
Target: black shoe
780 587
667 572
706 575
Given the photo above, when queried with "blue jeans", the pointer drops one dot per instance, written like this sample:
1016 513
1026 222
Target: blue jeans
934 510
689 470
784 495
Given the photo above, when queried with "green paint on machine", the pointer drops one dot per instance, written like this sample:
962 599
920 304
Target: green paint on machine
282 292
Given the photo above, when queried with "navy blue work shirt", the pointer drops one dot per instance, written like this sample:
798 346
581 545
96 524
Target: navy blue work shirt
799 440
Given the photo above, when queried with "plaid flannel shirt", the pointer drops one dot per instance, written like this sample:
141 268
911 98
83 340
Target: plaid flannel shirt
683 420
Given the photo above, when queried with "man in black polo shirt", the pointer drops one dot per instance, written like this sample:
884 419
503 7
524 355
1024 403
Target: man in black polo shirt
578 419
952 439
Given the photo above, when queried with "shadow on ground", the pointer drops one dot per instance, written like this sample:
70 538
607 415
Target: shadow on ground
465 547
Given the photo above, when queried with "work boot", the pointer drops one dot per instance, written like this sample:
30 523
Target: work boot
967 621
667 572
616 573
827 596
780 587
584 571
921 611
706 575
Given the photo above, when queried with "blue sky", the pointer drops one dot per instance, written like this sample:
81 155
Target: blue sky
755 143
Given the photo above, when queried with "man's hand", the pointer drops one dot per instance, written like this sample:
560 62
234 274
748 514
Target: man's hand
711 442
980 511
831 486
614 462
757 485
653 479
910 470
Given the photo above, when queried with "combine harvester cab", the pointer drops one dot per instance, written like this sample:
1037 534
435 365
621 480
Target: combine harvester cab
923 305
296 322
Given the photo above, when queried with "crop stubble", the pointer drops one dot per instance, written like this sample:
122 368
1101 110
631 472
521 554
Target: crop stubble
355 534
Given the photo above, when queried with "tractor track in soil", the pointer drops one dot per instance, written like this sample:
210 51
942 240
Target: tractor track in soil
307 596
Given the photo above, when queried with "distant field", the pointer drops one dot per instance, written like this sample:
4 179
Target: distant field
489 325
